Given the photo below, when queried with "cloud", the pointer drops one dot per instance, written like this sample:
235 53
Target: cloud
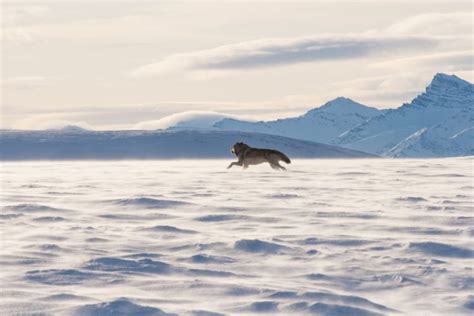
451 24
188 119
21 28
26 82
383 91
417 34
150 116
387 91
18 14
444 62
277 52
49 122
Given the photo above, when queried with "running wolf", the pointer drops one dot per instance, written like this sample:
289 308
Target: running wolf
254 156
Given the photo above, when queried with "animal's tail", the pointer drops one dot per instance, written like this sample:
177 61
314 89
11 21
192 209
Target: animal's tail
283 157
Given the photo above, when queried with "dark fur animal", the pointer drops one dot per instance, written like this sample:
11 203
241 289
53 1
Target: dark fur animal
254 156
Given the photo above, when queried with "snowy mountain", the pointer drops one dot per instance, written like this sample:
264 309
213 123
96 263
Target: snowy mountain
77 144
323 124
452 137
71 129
437 123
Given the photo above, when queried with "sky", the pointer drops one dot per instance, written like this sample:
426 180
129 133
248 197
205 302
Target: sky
141 64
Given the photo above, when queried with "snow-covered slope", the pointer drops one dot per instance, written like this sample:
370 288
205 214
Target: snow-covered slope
437 123
71 144
453 137
322 124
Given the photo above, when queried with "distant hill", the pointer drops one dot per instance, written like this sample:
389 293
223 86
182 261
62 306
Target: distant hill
71 143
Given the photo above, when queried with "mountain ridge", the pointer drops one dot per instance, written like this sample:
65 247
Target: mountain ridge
320 124
392 132
445 98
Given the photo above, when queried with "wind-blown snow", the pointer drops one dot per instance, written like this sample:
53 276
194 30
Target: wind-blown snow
328 237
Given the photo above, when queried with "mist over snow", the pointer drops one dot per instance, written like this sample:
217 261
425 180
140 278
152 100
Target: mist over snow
188 119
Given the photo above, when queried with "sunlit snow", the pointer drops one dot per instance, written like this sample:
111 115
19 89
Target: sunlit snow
327 237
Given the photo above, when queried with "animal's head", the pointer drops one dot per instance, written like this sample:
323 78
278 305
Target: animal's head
238 147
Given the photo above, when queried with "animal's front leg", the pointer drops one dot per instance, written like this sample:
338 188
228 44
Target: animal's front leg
235 163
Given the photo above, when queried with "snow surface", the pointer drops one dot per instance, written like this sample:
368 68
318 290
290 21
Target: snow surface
328 237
